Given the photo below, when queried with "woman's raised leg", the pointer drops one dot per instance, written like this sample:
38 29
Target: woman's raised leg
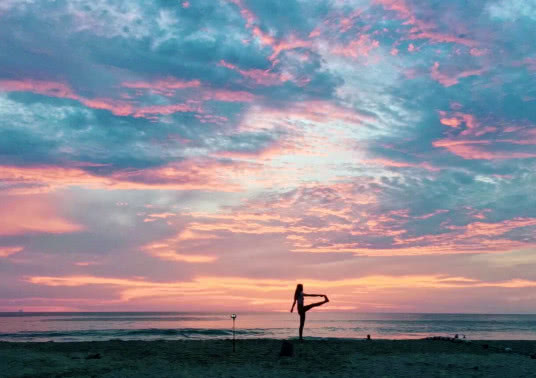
308 307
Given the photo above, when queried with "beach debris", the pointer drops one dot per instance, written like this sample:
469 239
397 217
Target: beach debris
533 356
287 349
507 349
485 346
93 356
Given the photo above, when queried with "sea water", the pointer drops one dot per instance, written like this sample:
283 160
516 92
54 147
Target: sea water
86 326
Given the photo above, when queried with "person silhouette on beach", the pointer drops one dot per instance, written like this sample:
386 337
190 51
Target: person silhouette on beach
302 309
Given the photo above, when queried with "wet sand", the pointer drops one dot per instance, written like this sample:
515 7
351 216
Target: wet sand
260 358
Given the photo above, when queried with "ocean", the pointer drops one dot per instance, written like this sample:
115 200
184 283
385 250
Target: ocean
95 326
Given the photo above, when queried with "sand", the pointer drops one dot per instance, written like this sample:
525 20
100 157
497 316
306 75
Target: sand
260 358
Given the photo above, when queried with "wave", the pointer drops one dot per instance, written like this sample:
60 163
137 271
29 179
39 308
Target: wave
108 334
135 318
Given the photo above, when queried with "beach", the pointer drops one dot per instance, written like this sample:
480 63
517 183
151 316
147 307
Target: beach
260 358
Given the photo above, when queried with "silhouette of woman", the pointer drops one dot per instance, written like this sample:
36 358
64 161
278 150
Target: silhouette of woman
298 297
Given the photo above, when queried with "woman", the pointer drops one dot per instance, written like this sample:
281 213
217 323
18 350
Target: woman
298 297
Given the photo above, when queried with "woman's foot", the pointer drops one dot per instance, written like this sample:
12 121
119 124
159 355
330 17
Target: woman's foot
326 298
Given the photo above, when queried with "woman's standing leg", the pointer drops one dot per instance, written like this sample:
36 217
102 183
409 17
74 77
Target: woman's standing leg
302 323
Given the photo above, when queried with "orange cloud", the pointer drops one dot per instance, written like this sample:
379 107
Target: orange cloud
400 164
164 215
8 251
272 293
172 249
170 255
452 122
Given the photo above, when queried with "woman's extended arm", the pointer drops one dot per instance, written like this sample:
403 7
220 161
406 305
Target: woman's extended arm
293 303
313 295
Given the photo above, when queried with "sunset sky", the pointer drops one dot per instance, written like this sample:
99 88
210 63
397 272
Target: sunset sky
208 155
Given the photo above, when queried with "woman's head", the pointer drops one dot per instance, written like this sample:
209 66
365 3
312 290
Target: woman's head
299 289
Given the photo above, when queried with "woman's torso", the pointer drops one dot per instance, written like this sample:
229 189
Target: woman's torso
300 301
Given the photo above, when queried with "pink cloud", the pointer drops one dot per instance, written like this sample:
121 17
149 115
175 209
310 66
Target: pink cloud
116 107
421 29
447 80
145 111
47 88
32 214
356 48
291 43
60 90
473 149
261 77
166 86
348 21
468 143
169 86
187 175
398 6
530 63
478 52
229 96
324 111
442 38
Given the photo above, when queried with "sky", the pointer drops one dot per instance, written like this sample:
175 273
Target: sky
207 155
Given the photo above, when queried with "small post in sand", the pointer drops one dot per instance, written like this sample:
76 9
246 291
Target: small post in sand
234 317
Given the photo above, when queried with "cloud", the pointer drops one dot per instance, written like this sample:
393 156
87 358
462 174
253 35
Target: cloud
391 141
512 10
447 80
470 138
246 290
8 251
181 176
21 215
